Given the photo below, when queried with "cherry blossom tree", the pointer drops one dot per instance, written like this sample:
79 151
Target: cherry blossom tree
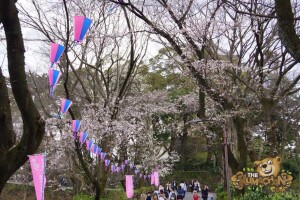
194 30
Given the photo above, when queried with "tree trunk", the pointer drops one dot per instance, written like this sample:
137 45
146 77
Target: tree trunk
268 108
103 181
97 190
286 28
239 125
201 111
33 124
123 184
7 135
183 144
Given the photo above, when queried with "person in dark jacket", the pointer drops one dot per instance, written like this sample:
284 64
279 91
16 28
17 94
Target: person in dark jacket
180 193
174 185
149 196
192 186
205 192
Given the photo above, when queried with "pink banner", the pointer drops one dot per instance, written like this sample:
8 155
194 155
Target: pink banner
152 179
37 163
78 22
129 186
156 178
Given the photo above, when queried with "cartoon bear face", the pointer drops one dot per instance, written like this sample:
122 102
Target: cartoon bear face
268 166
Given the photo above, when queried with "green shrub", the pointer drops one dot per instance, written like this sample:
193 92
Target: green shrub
263 195
117 193
83 197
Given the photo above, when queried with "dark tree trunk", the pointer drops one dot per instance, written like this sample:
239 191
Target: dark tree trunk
286 28
270 125
33 124
123 184
103 181
239 125
201 111
97 190
7 135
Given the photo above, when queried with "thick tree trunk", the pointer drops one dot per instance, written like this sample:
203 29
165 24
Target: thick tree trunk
33 124
97 190
7 135
201 111
239 125
286 28
103 181
268 109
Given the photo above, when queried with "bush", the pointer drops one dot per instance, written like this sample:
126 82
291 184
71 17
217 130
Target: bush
117 193
83 197
262 195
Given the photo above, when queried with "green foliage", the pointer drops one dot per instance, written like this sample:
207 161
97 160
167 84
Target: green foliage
291 166
201 157
163 74
83 197
222 193
116 194
263 195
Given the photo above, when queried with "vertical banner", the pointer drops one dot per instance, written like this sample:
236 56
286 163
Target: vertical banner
129 186
156 178
152 179
38 163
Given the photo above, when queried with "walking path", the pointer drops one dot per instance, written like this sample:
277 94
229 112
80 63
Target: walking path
211 196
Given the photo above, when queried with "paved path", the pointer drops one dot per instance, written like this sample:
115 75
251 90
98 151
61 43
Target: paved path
189 196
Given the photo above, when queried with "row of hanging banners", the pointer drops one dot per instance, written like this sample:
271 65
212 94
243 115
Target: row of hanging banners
38 161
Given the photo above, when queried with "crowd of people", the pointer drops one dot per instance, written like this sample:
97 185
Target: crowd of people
175 191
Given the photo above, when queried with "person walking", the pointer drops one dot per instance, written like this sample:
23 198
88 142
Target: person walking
192 186
172 195
168 186
148 196
197 186
180 193
174 185
161 188
205 192
162 195
184 187
195 195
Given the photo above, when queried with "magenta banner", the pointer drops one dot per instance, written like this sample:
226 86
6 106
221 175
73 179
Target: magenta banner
152 179
129 186
156 178
38 163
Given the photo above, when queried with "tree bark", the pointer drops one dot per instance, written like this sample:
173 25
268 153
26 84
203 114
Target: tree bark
239 125
268 109
286 28
98 190
201 111
33 124
7 135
